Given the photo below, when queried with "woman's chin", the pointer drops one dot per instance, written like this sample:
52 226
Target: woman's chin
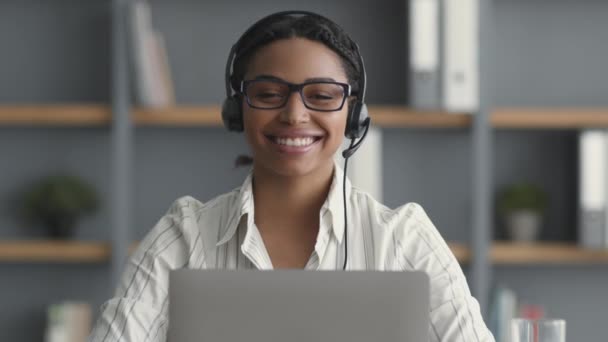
295 167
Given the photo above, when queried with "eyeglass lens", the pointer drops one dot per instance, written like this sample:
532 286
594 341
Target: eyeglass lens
271 94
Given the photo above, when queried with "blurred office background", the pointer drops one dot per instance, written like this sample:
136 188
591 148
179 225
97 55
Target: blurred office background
65 104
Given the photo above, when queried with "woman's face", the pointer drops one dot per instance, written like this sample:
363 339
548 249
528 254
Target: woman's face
294 140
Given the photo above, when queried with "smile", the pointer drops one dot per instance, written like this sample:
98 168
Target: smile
294 144
303 141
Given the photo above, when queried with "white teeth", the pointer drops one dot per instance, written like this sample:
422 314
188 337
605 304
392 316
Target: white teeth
295 141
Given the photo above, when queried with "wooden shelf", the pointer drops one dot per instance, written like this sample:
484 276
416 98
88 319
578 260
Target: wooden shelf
547 253
382 116
501 253
209 116
399 116
55 115
549 118
54 251
461 252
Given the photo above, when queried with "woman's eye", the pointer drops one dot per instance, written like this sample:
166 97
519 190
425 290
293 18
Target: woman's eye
321 97
268 95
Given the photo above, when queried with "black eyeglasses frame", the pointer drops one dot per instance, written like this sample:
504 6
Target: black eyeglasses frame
295 87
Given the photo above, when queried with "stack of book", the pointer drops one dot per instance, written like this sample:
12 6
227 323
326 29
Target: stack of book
444 55
593 189
149 59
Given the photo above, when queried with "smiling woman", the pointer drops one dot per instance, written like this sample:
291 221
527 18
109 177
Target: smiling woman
295 86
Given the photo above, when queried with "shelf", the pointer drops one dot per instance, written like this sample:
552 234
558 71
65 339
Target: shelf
208 116
546 253
55 115
399 116
382 116
549 118
54 251
460 251
502 253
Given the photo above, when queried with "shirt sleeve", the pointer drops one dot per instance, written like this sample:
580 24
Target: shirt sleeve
138 310
454 313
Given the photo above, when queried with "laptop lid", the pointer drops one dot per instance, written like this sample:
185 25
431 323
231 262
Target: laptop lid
298 306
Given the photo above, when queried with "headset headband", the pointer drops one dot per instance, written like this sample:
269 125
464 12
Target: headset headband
232 55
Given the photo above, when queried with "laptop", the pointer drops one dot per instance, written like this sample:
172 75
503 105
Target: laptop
298 306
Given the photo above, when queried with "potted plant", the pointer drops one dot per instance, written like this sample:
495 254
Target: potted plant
57 202
521 207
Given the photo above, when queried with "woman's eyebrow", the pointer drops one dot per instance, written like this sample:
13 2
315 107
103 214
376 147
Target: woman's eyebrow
314 79
320 79
268 77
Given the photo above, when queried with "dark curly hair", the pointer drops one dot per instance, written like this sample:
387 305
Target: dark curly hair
312 27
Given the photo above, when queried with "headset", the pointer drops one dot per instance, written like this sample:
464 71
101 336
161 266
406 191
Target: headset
357 120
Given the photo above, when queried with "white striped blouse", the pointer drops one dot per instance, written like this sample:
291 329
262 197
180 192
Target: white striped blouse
221 234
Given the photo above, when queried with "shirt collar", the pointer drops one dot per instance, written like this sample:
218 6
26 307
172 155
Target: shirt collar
243 206
240 208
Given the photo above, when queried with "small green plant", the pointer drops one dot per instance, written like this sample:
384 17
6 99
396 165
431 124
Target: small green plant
522 196
58 202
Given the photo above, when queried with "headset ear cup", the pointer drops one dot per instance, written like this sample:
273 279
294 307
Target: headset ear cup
363 116
231 114
355 120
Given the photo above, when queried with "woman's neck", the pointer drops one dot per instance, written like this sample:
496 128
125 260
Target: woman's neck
290 200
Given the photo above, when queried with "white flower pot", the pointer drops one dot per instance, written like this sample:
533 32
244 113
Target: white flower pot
523 225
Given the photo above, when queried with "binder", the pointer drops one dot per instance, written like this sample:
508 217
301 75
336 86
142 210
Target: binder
152 77
593 188
461 56
424 73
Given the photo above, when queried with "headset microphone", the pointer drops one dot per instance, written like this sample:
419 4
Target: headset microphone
354 147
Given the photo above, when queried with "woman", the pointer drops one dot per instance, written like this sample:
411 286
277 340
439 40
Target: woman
295 78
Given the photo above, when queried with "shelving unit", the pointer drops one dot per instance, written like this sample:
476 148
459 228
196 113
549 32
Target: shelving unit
482 256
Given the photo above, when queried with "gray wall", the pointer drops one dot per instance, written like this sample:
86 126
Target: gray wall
60 53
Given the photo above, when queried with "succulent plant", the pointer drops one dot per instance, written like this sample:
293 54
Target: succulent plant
58 201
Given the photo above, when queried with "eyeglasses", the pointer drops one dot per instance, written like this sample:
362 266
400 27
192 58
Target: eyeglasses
323 96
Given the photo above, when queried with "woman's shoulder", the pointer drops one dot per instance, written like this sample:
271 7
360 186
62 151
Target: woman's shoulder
187 204
407 215
189 221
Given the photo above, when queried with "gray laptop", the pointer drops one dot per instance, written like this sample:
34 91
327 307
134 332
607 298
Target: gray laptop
298 306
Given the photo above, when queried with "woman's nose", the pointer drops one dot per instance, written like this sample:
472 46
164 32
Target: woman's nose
295 111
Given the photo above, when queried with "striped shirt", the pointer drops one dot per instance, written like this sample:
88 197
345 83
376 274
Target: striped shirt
221 234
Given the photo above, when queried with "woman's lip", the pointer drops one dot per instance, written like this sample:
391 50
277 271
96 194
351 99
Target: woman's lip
294 135
293 149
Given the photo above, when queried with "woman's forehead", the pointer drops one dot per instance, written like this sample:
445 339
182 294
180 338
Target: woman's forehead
296 60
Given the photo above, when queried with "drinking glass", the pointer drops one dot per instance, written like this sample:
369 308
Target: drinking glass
551 330
521 330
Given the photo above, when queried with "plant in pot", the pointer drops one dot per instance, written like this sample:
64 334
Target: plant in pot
521 207
57 202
